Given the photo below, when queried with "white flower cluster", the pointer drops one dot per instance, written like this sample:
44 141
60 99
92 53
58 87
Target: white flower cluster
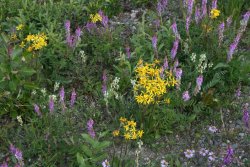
53 97
202 63
83 56
114 87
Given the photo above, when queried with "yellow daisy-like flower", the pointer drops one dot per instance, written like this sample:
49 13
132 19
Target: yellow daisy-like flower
127 136
123 120
19 27
214 13
132 123
140 133
116 133
126 127
13 37
95 18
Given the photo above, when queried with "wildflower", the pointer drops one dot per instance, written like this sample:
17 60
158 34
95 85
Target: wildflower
188 19
164 163
36 41
229 21
185 96
206 27
123 120
4 164
16 152
73 97
189 153
78 34
105 163
214 4
116 133
204 8
174 48
211 156
13 37
238 92
190 7
229 156
128 52
212 129
104 82
89 26
104 19
221 31
67 26
127 136
19 119
178 73
156 23
140 133
90 128
37 110
214 13
246 115
161 5
51 104
175 30
232 47
197 15
154 41
56 86
203 152
165 66
19 27
95 18
62 94
199 81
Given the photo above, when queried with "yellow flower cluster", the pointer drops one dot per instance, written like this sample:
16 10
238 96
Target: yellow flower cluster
34 42
214 13
150 86
129 129
19 27
95 18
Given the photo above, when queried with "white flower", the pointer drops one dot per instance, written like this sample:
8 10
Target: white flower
83 56
203 152
210 65
189 153
211 156
56 86
133 81
19 119
105 163
212 129
33 92
115 83
193 57
43 91
164 163
53 97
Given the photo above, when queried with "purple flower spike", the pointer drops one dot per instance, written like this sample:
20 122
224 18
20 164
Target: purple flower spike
128 52
229 21
89 26
178 73
51 104
105 19
229 157
70 40
199 81
161 5
67 26
62 94
238 92
246 115
197 15
175 30
188 20
73 97
16 152
37 110
154 41
214 4
174 49
104 82
164 67
78 33
221 32
185 96
190 7
90 128
204 8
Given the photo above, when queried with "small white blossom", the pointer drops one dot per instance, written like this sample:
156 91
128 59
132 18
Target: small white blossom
43 91
193 57
212 129
189 153
19 119
164 163
203 152
56 86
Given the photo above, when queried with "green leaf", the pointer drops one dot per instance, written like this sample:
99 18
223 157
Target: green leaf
80 159
221 65
86 150
27 71
88 139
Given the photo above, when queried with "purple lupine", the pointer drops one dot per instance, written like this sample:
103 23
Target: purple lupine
204 8
214 4
221 32
178 73
238 92
185 96
70 40
246 115
67 26
229 156
157 23
154 41
188 20
197 15
89 26
164 67
78 33
190 7
105 19
62 94
73 97
161 5
199 81
128 52
176 64
174 48
16 152
229 21
4 164
51 104
90 128
233 46
104 82
244 21
175 30
37 110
